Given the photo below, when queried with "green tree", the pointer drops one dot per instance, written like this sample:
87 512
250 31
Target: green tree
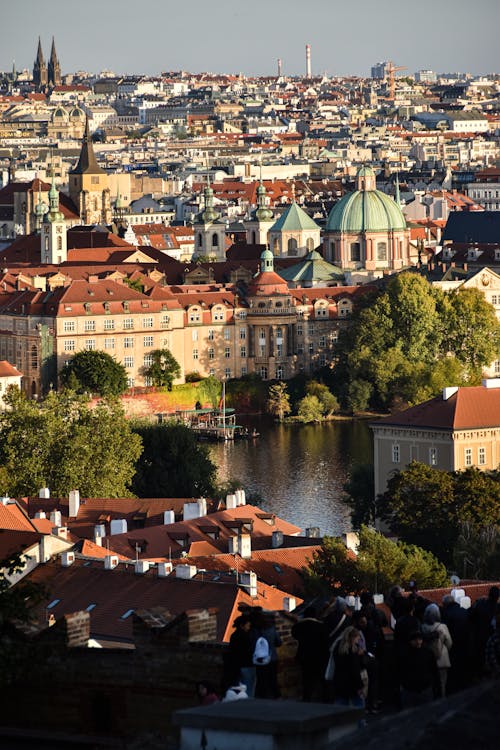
211 390
472 330
137 284
310 409
173 463
359 394
360 495
163 369
96 372
380 563
62 444
328 401
426 506
477 551
278 402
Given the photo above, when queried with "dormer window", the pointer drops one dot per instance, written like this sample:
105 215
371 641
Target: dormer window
126 306
88 307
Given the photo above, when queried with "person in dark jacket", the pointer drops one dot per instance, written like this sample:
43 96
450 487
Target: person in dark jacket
240 656
458 621
348 686
418 674
312 654
267 674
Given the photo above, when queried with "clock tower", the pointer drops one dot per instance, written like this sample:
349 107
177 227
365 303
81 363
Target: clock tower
54 248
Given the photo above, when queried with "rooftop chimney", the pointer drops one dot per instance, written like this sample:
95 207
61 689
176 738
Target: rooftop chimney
67 559
449 392
110 562
42 514
195 510
231 502
185 571
164 569
55 517
44 493
74 503
141 566
289 603
60 531
118 526
168 517
248 580
491 383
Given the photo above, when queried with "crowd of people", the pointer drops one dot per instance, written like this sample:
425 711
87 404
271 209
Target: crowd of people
415 653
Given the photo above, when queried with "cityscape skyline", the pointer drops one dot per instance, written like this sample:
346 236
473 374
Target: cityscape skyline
234 38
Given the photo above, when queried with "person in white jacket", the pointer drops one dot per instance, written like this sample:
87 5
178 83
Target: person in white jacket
437 637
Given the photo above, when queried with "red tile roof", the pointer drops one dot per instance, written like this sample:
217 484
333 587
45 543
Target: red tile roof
12 518
474 407
7 370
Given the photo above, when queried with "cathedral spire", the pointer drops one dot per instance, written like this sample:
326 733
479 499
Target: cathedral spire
54 68
39 54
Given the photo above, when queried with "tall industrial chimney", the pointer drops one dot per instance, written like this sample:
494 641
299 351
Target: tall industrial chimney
308 61
279 67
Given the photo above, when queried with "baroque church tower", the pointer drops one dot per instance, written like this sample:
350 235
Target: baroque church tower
89 186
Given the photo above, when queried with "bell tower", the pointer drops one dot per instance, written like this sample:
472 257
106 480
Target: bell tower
54 248
88 186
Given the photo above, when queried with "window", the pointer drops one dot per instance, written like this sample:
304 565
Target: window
355 251
109 343
90 344
227 334
494 299
109 324
147 322
194 315
262 350
243 370
243 351
227 373
321 312
195 353
243 334
148 360
211 371
311 347
481 456
280 373
218 313
300 349
496 367
128 324
69 326
382 251
433 456
334 337
211 334
310 329
292 246
148 341
128 342
263 373
322 340
300 329
69 345
279 350
211 353
194 334
131 383
468 456
165 320
227 352
90 325
128 362
395 454
34 358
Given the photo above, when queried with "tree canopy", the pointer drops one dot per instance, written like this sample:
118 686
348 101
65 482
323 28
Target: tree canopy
62 444
94 371
379 564
411 341
173 463
278 402
163 368
426 506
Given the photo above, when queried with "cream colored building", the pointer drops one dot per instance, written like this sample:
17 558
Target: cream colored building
451 432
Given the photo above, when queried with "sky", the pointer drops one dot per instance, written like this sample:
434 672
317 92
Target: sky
233 36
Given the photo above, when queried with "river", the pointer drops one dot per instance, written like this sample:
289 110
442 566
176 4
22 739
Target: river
298 470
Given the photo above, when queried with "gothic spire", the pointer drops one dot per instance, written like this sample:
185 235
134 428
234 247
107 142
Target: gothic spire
87 163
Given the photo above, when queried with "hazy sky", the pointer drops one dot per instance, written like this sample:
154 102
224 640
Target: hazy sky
346 37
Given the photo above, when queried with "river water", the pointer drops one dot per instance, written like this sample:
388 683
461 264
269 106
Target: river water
298 470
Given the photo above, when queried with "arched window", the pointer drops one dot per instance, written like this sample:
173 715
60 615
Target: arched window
276 246
215 240
292 246
355 251
310 244
263 373
254 238
59 243
382 251
200 240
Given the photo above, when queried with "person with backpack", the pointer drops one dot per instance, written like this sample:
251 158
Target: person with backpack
265 656
438 640
240 655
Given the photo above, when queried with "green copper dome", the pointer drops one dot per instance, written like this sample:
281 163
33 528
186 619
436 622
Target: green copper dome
366 209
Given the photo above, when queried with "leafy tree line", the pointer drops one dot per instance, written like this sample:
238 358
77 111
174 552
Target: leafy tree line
379 564
317 404
406 343
63 444
455 515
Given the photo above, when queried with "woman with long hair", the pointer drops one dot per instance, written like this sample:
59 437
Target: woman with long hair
348 684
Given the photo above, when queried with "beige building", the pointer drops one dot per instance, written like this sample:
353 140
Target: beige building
459 429
8 376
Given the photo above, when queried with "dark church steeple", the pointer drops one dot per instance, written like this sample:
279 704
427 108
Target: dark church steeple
54 70
40 73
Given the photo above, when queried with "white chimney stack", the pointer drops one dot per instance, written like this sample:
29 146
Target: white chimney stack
195 510
245 546
164 569
289 603
99 533
110 562
231 502
55 517
67 559
185 571
168 517
41 514
249 582
74 503
118 526
60 531
449 392
141 566
44 493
